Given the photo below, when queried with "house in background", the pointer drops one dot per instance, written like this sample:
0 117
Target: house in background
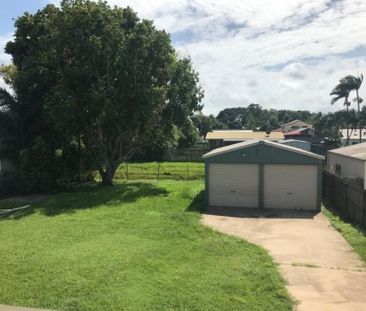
220 138
305 134
304 145
294 126
348 162
354 136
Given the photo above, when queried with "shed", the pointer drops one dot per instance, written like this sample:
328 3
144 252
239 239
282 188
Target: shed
263 174
348 162
305 145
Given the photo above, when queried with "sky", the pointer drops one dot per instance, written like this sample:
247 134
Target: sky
283 54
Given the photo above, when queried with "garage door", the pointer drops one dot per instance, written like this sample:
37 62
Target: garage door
290 187
233 185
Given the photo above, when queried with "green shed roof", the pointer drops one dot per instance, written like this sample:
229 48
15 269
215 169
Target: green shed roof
254 142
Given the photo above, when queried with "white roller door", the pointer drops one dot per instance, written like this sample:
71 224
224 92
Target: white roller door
233 185
290 187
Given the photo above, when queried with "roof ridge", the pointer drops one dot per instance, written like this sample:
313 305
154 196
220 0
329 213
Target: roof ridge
249 143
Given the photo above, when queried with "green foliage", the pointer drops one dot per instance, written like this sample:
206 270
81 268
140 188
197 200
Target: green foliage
104 77
254 117
355 236
205 124
135 246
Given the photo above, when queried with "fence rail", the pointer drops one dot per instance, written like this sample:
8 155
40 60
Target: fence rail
184 155
346 197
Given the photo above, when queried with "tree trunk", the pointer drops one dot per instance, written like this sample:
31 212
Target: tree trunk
359 115
79 158
108 175
347 126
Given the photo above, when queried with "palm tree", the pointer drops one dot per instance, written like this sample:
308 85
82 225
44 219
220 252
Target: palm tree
342 91
353 83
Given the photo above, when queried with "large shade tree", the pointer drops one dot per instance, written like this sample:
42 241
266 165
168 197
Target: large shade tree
106 77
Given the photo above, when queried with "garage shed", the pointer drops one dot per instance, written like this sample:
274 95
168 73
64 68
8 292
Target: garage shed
263 174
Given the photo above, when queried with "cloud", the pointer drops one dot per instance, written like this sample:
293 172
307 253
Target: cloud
4 58
279 54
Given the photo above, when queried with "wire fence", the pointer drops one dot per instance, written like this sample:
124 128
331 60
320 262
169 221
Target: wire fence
160 171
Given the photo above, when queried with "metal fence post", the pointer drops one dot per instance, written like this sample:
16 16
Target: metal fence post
158 171
126 170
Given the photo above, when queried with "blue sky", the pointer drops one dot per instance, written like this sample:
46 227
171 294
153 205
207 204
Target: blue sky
279 54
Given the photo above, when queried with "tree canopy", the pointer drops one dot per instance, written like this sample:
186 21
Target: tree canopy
102 76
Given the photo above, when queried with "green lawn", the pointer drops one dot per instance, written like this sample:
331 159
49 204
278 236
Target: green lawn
161 170
135 246
355 236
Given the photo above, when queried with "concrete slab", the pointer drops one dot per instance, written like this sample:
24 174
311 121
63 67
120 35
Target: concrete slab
322 270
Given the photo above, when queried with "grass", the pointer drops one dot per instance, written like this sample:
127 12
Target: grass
161 171
355 235
135 246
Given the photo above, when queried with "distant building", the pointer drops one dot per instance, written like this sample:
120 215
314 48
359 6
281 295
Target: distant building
295 125
305 134
220 138
354 136
349 162
304 145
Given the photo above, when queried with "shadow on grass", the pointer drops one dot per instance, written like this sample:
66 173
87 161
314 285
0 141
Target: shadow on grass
198 203
94 196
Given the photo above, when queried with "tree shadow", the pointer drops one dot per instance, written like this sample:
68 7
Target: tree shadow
198 203
242 212
93 196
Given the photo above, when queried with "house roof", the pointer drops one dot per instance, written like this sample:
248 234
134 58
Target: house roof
283 141
298 132
294 133
249 143
357 151
234 135
295 121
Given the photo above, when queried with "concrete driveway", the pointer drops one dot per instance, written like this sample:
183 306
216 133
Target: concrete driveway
322 271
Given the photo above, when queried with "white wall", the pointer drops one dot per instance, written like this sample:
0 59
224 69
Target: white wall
294 126
350 167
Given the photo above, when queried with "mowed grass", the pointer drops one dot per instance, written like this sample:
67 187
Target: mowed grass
134 246
355 235
161 171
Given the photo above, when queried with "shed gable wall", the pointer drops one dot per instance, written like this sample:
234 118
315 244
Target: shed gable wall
262 153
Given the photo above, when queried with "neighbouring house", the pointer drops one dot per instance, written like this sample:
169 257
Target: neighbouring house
263 174
295 125
348 162
220 138
354 136
305 134
304 145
